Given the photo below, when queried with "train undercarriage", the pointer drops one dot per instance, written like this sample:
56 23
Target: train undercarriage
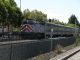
32 35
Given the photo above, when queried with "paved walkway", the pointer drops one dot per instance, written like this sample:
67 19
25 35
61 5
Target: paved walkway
75 57
66 54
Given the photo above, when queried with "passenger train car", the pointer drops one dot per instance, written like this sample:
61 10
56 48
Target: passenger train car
35 29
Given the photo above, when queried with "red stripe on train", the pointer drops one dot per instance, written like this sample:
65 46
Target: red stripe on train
26 28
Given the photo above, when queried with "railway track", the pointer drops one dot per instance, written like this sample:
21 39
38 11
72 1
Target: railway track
69 55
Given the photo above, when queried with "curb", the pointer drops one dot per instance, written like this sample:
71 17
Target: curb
67 54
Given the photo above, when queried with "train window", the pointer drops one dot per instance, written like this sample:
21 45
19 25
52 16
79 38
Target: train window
40 22
31 21
28 22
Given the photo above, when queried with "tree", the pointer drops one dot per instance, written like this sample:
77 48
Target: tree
34 14
26 14
73 19
10 14
50 20
3 12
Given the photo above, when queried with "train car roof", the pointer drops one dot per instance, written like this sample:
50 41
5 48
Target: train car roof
34 21
61 25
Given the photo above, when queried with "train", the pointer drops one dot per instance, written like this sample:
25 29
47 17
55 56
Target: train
35 29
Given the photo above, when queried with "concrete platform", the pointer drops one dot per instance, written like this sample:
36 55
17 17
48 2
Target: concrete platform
75 57
65 55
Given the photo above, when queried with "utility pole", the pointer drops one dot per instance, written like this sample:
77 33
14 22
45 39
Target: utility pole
20 4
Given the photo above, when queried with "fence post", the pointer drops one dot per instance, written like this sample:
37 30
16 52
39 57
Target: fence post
51 37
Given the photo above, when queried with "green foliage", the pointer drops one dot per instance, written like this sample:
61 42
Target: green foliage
55 21
3 11
16 29
71 25
78 41
10 14
35 14
73 20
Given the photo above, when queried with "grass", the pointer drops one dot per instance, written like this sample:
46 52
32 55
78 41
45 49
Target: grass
46 56
71 25
77 41
58 50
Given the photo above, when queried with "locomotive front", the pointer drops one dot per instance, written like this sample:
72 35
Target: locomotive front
32 29
26 26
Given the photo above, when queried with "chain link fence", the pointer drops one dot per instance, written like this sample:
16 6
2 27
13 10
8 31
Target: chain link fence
25 49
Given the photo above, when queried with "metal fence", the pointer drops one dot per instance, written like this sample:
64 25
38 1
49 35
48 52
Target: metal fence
10 36
24 49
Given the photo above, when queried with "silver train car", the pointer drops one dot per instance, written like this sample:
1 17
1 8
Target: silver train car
35 29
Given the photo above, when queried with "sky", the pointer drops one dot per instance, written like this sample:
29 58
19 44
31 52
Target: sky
59 9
